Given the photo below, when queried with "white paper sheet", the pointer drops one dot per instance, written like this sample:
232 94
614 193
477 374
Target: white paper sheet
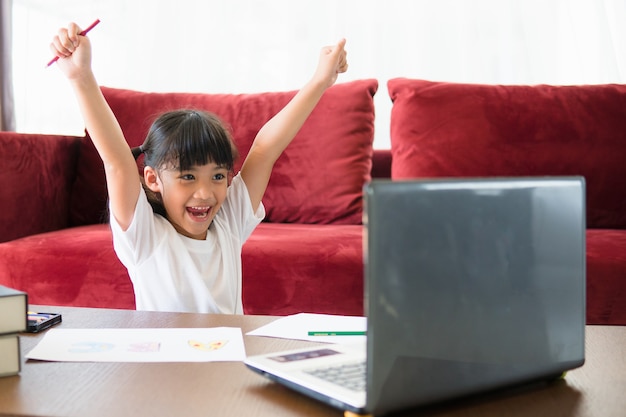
141 345
297 326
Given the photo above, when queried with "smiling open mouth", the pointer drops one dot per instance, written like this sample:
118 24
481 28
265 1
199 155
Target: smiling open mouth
199 213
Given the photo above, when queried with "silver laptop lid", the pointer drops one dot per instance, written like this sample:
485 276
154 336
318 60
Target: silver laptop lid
471 284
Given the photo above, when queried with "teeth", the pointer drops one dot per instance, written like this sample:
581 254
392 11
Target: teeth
199 211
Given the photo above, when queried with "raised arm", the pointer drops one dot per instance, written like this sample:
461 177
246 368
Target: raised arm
279 131
121 170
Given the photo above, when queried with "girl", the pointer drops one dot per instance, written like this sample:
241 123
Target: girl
181 238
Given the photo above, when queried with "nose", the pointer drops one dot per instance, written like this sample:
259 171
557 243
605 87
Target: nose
204 191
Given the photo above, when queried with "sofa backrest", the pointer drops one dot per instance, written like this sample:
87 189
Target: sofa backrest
35 179
381 164
319 177
443 129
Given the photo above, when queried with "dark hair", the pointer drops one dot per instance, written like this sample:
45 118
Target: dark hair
180 139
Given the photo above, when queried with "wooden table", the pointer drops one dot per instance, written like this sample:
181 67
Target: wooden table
230 389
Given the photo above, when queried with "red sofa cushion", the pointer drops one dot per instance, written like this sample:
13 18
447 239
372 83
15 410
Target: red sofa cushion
441 129
294 268
606 281
319 177
35 179
74 267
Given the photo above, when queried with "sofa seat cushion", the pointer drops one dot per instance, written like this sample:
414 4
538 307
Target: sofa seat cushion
443 129
293 268
287 269
73 267
318 178
606 280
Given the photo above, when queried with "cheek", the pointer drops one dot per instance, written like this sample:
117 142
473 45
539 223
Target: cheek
220 194
225 192
173 198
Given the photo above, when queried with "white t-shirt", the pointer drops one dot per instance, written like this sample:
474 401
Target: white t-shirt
171 272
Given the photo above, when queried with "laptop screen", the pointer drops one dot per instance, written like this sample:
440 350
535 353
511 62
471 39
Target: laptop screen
471 284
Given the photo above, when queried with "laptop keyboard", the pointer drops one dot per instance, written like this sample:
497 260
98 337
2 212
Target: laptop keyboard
350 376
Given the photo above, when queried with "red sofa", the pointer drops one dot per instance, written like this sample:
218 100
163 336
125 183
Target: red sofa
307 255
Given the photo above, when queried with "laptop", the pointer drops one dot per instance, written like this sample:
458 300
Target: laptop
471 285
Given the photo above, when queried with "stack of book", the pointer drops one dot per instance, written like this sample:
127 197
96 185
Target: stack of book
13 320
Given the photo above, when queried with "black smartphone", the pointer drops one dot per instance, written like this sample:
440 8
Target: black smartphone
38 322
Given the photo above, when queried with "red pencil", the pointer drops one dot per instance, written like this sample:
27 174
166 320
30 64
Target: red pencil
83 33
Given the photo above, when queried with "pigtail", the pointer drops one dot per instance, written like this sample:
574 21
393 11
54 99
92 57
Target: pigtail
137 152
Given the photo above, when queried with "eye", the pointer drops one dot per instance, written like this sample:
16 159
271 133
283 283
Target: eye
187 177
219 177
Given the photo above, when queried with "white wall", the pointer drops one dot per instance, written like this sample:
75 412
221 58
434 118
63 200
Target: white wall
233 46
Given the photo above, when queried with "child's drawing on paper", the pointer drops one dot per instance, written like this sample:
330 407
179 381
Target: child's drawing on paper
207 346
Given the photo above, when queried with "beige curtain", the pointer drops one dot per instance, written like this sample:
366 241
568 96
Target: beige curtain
7 119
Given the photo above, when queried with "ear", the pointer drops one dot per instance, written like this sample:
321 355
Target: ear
151 179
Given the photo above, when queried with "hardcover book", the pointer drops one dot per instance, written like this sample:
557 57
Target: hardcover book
10 355
13 310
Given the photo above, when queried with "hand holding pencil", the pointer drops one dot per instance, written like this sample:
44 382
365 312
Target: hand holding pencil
67 42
